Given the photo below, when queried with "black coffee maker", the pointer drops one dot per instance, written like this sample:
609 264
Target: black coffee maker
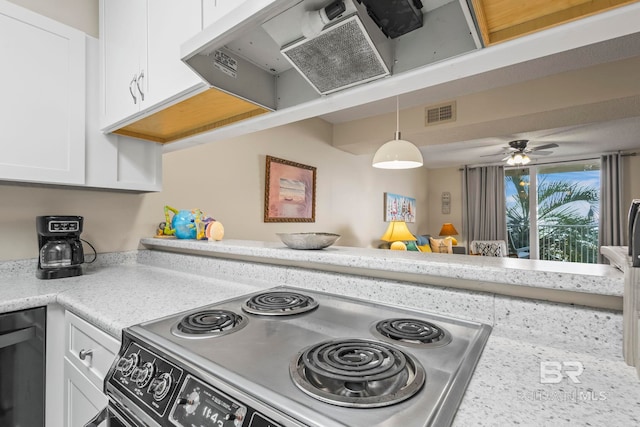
60 249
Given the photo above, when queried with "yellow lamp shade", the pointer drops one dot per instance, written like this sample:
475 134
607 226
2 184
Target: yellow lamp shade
398 231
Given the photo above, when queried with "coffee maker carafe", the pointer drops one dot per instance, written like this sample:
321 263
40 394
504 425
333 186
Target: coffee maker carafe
60 248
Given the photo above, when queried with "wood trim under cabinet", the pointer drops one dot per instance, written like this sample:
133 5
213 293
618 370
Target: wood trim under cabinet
203 112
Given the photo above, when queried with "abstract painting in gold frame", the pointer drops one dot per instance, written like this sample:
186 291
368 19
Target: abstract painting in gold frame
290 191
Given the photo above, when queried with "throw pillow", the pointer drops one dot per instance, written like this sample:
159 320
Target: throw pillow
489 249
425 248
398 246
411 246
442 246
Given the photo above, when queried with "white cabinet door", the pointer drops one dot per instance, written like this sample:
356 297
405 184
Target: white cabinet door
114 161
42 98
123 35
169 24
212 10
83 400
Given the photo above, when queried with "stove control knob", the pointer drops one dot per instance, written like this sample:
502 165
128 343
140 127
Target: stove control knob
143 374
190 402
160 386
126 365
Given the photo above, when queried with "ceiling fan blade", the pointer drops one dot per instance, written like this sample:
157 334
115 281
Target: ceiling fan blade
545 146
506 158
542 153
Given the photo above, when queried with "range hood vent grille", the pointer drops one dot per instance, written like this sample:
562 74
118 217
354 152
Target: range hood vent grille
341 56
438 114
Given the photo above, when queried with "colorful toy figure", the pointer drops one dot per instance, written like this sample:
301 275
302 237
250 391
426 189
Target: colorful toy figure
184 224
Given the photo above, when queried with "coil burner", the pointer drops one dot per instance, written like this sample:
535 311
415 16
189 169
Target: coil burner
209 323
357 373
412 332
279 304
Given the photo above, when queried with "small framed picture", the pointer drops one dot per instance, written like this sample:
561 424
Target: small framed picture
399 208
290 191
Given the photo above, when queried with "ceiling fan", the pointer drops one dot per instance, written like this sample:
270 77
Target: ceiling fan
519 149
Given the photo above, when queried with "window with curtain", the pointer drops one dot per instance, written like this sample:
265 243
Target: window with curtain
553 211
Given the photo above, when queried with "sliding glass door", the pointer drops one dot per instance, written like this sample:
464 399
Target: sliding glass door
552 211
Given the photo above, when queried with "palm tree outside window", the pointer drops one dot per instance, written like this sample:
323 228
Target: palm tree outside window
552 211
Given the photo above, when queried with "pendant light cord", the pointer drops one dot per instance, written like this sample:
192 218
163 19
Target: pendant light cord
397 118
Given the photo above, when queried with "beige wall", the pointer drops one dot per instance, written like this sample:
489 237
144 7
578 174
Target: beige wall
226 180
80 14
441 180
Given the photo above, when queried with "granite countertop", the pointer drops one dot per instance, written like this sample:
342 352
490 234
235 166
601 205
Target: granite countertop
115 297
505 388
595 279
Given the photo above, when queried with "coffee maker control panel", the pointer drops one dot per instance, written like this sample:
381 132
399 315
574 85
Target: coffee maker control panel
64 226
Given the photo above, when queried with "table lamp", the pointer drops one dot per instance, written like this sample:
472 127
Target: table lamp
449 230
397 233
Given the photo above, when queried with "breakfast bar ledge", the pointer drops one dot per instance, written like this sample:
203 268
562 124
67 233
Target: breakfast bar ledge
591 285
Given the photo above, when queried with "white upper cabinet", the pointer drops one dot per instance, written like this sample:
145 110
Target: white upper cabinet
123 34
114 161
212 10
140 43
42 114
169 24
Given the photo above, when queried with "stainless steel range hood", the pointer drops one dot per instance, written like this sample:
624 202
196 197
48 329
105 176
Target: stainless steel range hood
266 51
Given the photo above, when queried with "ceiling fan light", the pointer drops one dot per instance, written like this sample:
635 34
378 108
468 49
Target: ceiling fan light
511 161
525 159
517 158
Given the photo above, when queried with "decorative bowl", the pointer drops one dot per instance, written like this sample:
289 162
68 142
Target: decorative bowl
308 240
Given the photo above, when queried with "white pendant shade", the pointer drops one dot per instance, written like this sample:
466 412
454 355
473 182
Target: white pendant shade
397 153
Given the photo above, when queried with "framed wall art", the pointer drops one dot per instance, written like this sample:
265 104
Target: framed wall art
399 208
290 191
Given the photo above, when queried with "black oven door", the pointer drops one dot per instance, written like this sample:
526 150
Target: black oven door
111 416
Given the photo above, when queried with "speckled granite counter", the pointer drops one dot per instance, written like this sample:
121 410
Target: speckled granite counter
587 284
504 390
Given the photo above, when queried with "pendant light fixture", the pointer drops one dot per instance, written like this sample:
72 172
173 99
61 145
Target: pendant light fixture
397 153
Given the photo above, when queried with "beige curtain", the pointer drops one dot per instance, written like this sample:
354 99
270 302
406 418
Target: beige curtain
484 210
612 213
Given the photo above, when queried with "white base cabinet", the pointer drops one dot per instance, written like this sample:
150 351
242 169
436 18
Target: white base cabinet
83 400
89 353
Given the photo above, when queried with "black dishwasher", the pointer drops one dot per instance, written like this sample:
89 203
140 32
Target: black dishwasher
22 367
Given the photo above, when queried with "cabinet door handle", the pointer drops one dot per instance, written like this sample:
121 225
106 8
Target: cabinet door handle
133 95
85 353
140 77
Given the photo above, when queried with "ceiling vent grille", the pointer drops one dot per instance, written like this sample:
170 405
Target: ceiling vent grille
438 114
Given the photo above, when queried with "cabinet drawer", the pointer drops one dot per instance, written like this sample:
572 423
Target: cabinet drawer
91 350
